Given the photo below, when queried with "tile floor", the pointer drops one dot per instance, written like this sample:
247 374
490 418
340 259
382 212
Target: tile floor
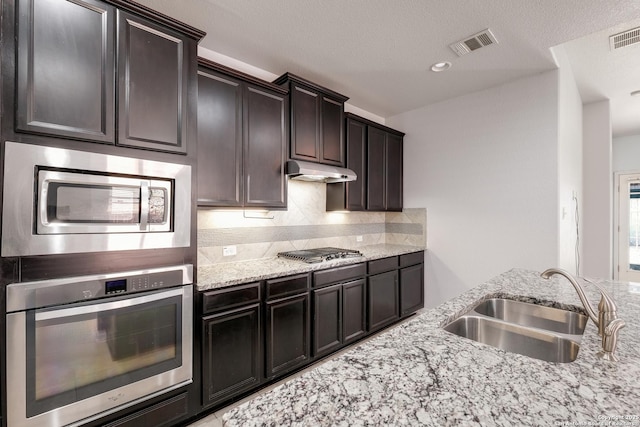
215 419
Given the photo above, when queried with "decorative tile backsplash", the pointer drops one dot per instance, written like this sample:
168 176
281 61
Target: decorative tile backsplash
306 224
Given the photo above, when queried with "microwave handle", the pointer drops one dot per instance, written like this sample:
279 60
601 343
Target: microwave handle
144 205
44 189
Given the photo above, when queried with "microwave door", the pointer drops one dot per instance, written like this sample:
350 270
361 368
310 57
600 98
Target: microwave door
71 203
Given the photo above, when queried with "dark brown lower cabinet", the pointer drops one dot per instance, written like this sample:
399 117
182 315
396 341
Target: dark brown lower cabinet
339 316
232 350
287 334
354 309
411 289
327 321
339 307
382 303
255 333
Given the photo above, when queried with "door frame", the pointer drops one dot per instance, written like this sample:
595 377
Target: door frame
618 176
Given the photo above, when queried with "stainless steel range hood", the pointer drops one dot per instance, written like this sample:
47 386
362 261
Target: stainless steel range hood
307 171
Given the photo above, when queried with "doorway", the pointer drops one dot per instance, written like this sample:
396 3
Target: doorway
628 237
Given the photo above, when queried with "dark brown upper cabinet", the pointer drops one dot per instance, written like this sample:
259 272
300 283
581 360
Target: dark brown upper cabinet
393 172
220 180
242 139
376 183
153 70
66 69
74 57
317 124
356 192
375 153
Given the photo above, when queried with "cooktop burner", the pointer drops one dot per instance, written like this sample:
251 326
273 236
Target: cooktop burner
319 254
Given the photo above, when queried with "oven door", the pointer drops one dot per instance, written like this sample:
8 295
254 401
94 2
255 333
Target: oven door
85 360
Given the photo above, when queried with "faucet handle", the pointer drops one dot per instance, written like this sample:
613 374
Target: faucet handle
610 339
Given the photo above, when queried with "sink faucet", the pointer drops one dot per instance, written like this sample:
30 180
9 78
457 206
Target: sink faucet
606 320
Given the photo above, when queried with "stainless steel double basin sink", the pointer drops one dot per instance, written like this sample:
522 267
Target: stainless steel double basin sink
544 333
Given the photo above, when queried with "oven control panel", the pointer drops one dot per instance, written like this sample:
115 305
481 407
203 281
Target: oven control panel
45 293
143 282
115 286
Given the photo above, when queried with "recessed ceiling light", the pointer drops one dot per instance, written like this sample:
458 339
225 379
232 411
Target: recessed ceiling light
635 93
440 66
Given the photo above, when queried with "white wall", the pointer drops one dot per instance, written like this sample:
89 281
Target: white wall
598 186
485 166
570 192
626 154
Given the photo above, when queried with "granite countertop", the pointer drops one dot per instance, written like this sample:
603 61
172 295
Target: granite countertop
233 273
419 374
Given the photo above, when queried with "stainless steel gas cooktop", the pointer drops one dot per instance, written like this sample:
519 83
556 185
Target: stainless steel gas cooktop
319 254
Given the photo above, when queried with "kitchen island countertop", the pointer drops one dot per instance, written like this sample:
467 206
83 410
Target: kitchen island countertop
419 374
234 273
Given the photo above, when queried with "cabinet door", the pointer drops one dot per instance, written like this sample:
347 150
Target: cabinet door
327 316
265 143
231 353
383 299
393 168
287 334
376 169
305 127
354 303
65 70
332 141
219 140
411 289
356 157
153 67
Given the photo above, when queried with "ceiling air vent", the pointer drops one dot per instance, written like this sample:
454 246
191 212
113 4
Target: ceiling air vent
624 39
474 42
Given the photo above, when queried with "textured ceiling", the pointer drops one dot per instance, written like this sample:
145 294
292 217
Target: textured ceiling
605 74
379 52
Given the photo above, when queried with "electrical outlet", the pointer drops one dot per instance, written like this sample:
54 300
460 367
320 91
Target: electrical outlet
358 238
229 250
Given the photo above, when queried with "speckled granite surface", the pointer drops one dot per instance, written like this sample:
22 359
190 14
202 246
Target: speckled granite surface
418 374
233 273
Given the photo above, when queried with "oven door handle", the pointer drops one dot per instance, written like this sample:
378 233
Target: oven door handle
144 205
79 310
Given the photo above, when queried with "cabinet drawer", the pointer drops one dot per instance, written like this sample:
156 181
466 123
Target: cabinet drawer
336 275
230 297
382 265
161 414
411 259
287 286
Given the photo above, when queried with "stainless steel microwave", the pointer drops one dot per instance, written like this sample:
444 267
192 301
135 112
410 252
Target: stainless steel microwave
59 201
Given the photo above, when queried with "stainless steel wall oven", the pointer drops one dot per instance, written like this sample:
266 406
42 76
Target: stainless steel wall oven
83 347
59 201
